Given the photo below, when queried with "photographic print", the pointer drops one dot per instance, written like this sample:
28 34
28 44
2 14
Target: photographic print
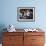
26 14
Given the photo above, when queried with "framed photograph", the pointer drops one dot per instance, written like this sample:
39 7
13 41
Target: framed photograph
26 14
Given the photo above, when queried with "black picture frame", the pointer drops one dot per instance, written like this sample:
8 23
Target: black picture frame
26 14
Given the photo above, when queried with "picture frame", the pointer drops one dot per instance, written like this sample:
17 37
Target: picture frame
26 14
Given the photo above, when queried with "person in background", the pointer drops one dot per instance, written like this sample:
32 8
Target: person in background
29 14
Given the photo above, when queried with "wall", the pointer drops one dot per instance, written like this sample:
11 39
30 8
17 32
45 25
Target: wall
9 13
